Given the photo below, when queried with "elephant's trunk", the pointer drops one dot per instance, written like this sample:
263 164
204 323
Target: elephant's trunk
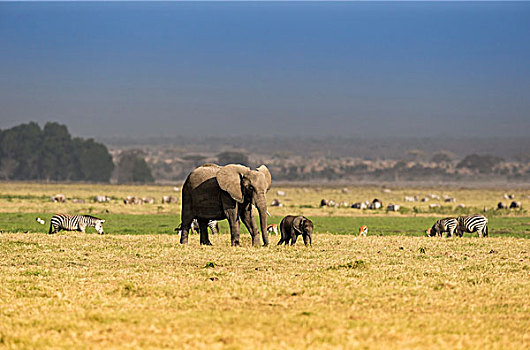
261 205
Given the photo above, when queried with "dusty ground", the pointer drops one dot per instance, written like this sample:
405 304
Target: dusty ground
88 291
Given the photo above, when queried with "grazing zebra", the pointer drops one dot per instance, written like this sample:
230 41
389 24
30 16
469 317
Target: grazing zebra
212 224
67 222
474 223
448 225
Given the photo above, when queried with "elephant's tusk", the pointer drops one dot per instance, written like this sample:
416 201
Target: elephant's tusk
269 214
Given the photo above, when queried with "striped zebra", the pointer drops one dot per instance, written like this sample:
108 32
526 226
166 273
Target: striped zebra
474 223
448 225
213 225
67 222
194 228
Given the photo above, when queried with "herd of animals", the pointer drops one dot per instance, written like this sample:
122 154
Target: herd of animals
212 193
457 226
291 226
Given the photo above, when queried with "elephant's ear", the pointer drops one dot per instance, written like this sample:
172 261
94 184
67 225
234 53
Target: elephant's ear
229 179
265 171
297 222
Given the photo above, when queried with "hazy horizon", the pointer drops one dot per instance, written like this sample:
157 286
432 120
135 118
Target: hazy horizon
356 69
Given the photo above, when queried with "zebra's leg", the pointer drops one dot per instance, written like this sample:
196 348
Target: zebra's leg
203 230
215 228
195 228
82 228
52 229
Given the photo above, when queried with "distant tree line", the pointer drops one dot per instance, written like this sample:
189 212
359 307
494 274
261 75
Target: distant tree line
133 168
28 152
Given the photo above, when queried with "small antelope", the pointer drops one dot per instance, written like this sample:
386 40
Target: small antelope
272 229
363 230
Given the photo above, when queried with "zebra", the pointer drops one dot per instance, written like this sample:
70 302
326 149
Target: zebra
474 223
448 225
67 222
212 224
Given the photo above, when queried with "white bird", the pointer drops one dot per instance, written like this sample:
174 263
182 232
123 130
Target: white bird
40 221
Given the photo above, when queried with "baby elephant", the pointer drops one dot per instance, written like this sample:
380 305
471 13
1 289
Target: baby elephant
293 226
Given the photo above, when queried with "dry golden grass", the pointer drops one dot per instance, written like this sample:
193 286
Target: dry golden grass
88 291
146 291
34 198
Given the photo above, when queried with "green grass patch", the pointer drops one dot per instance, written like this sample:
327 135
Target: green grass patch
131 224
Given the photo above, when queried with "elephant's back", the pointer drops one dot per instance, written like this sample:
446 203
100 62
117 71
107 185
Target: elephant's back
200 175
285 224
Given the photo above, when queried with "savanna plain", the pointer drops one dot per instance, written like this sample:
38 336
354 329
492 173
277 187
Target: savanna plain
137 287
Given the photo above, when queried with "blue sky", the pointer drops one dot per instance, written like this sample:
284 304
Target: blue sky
301 68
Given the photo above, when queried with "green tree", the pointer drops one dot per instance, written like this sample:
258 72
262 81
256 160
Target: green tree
93 161
442 157
27 152
483 164
132 167
58 161
21 152
141 171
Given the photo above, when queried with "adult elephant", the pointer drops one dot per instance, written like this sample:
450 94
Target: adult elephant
212 192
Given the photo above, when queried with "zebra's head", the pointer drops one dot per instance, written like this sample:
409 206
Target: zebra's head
99 226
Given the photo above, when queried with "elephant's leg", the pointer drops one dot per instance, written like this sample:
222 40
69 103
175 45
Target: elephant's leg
233 221
250 223
203 229
287 238
185 227
293 239
184 236
234 230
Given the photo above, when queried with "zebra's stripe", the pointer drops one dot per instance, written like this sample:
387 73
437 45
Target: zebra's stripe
212 224
474 223
72 222
448 225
